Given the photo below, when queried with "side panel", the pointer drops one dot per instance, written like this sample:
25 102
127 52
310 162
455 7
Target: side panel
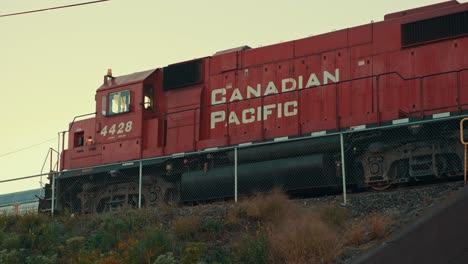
278 52
121 151
153 138
223 63
182 119
82 151
440 93
321 43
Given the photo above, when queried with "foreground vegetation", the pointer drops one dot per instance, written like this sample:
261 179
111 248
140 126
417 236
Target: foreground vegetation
263 229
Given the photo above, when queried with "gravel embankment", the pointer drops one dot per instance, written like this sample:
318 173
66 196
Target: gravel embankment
401 205
408 203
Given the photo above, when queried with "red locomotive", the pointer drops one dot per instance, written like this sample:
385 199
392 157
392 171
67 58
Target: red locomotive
411 65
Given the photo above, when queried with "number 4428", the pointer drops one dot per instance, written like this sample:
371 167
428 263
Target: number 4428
117 128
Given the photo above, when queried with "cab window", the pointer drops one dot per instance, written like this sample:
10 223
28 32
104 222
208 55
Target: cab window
78 139
148 97
119 102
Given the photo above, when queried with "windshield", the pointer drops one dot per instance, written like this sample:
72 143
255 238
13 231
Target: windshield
119 102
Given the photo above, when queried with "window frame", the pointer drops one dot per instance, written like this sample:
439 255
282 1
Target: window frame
148 92
110 101
78 139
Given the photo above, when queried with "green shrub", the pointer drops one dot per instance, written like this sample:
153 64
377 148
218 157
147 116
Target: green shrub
10 241
213 227
193 252
110 231
8 222
166 259
13 256
253 250
32 223
217 256
41 259
154 243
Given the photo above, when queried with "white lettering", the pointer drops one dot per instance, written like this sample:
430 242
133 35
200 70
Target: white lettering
236 95
271 89
328 76
260 113
287 111
214 94
267 111
217 117
313 81
288 88
121 128
251 119
280 111
233 118
251 91
300 81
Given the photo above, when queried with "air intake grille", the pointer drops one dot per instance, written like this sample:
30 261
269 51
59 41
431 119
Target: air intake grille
182 74
434 29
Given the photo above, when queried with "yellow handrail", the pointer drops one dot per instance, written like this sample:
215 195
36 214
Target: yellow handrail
465 145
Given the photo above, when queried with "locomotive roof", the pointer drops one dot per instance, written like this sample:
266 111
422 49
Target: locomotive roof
18 197
126 79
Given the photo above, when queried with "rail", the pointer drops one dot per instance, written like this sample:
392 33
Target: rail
49 157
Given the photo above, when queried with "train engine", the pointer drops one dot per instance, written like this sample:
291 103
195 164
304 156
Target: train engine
172 133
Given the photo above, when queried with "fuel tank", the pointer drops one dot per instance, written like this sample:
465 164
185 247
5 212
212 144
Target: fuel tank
294 173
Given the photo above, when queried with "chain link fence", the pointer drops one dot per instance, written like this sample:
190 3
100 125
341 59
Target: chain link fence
410 152
405 151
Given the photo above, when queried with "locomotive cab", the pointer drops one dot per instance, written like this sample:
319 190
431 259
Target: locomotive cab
115 134
122 104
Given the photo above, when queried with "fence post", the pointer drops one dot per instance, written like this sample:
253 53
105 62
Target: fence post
343 168
52 205
235 175
140 183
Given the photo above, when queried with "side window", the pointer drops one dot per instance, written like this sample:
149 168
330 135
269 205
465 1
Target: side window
78 139
104 106
148 97
119 102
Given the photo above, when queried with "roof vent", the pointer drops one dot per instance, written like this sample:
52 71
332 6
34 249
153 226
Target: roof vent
433 29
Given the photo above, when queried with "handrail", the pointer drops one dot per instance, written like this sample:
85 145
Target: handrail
49 153
74 119
465 148
49 156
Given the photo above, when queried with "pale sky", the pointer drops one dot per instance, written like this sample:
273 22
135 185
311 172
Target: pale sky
52 62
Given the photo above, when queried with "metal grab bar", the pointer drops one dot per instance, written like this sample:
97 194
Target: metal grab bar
465 148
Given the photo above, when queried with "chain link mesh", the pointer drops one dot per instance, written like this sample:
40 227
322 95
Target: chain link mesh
374 159
408 153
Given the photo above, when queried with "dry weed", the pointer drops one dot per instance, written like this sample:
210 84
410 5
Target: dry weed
335 216
304 239
356 234
270 208
378 226
231 217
